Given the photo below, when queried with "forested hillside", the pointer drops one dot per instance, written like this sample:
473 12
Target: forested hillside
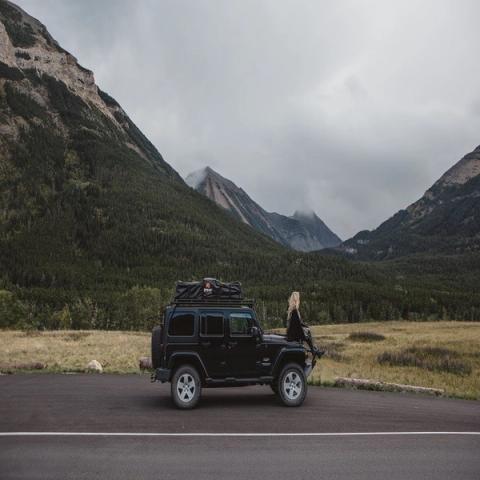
95 226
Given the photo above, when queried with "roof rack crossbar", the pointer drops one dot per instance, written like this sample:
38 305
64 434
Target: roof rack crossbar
214 302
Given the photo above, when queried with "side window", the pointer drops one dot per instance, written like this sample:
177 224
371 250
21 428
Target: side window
211 325
240 323
182 325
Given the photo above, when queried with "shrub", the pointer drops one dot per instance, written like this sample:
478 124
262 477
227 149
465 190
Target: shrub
366 337
76 336
84 313
333 350
10 13
10 73
138 307
428 358
21 34
23 105
24 55
62 319
12 310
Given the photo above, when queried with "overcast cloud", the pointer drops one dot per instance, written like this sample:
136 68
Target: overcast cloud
350 108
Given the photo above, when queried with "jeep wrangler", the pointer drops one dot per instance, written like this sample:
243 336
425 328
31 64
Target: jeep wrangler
208 339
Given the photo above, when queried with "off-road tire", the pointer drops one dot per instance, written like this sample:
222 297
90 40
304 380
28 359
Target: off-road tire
156 347
186 387
292 385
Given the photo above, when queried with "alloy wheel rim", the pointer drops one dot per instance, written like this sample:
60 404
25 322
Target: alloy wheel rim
292 385
186 387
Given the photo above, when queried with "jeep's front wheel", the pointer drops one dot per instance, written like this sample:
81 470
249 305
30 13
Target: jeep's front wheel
292 385
186 387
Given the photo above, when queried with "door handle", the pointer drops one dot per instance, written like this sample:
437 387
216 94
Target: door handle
206 344
232 344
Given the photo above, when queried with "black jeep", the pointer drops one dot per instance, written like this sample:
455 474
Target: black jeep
210 337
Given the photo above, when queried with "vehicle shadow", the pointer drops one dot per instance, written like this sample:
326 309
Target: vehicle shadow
222 398
218 398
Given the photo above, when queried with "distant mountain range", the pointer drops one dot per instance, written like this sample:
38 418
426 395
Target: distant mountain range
302 231
445 220
95 226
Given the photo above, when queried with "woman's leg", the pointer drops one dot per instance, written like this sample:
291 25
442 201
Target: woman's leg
313 348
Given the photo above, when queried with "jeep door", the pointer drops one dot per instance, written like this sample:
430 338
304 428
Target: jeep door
212 348
242 345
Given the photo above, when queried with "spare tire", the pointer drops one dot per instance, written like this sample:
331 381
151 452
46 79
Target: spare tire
156 346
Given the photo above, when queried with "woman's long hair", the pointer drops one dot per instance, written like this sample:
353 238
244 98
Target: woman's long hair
293 304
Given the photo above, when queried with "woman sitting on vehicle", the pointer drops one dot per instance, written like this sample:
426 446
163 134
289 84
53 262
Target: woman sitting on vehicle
297 331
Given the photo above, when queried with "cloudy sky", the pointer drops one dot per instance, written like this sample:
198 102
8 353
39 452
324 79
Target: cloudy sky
351 108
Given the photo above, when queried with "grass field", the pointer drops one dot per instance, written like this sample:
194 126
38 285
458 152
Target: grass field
70 351
430 354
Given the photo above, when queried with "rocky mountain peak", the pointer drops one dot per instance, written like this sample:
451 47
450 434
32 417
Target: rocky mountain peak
207 174
45 86
26 44
305 214
464 170
303 231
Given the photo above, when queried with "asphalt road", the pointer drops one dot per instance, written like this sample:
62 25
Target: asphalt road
101 407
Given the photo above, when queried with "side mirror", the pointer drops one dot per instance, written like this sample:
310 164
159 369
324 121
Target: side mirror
255 331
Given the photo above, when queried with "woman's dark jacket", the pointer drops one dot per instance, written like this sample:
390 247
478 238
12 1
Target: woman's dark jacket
294 328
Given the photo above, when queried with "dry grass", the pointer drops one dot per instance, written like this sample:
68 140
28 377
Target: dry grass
429 358
70 351
366 337
430 354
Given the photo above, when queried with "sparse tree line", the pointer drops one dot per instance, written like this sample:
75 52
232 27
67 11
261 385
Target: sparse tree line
140 308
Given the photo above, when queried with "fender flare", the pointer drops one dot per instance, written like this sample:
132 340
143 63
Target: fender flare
298 352
192 355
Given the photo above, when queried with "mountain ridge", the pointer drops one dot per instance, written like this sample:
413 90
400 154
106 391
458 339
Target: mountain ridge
302 231
445 220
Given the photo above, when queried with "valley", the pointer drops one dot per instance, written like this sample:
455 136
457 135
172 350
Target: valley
96 226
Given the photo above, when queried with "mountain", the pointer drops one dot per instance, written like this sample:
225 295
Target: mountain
95 226
302 231
445 220
85 198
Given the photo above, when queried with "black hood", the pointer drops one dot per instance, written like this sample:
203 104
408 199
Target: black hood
274 338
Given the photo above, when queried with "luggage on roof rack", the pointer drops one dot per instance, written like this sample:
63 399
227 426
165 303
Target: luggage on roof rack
208 288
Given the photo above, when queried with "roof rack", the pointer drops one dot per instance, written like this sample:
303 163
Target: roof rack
214 302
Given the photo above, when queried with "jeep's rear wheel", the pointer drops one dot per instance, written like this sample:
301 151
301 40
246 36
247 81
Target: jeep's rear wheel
186 387
292 385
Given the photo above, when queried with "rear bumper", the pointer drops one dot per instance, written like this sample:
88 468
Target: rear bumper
161 375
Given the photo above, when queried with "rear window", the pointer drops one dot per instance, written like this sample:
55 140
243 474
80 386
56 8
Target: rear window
212 326
182 325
